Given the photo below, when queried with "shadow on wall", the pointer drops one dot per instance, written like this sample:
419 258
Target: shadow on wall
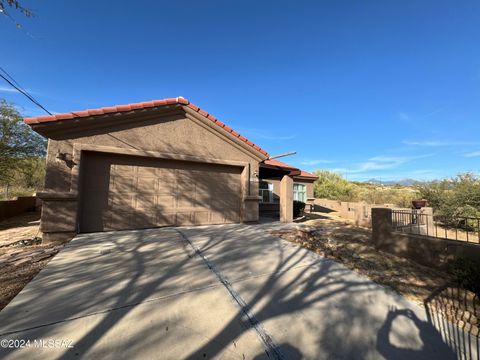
323 209
18 206
137 135
130 192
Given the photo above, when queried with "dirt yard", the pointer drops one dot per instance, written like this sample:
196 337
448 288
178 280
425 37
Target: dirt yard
21 254
339 239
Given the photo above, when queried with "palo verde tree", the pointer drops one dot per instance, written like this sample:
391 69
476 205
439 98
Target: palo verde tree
21 149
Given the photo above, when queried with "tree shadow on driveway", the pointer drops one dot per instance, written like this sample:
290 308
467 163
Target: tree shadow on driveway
309 307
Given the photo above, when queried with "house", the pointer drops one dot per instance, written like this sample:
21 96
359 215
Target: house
157 163
269 185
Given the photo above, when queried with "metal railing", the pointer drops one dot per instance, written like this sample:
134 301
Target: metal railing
421 223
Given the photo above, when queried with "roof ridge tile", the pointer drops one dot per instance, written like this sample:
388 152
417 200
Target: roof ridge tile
137 106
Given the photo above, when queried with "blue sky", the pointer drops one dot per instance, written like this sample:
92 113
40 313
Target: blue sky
372 89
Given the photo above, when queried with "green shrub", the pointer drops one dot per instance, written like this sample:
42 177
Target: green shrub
298 208
333 186
466 273
453 198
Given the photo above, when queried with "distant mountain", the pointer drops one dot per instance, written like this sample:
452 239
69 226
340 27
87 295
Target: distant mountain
402 182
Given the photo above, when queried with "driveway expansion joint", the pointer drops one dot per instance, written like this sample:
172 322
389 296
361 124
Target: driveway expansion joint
271 348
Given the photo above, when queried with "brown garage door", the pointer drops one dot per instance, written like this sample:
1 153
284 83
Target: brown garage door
127 192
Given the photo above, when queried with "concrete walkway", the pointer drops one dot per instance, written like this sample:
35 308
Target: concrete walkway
231 292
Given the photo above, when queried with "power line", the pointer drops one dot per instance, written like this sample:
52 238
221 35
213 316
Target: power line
11 78
12 82
22 89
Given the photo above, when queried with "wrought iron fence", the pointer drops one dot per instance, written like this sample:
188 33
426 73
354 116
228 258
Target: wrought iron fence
421 223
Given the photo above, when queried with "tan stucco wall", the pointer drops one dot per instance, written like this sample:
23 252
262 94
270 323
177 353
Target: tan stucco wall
359 212
181 133
426 250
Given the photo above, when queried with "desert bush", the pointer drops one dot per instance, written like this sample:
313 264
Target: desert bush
454 198
466 273
331 185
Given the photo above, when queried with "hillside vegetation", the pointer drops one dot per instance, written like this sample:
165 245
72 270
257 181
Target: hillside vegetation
452 197
331 185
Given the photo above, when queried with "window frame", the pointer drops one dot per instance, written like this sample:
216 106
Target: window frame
269 190
296 192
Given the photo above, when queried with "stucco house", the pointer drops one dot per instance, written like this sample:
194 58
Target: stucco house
156 163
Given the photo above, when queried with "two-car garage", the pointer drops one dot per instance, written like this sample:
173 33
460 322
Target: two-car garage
149 164
120 192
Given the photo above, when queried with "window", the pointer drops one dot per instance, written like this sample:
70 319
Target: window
265 190
299 192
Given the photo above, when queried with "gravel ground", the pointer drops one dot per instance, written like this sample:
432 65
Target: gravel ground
21 254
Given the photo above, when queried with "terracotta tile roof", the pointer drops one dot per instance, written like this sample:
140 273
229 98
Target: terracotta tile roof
276 163
305 174
282 165
136 106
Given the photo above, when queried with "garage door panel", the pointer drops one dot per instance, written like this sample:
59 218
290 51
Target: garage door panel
166 175
165 219
145 219
224 203
184 201
165 188
185 218
147 184
232 216
121 201
146 201
217 217
165 202
201 217
117 169
119 220
146 171
123 183
142 192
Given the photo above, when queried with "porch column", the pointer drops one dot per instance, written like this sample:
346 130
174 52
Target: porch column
286 199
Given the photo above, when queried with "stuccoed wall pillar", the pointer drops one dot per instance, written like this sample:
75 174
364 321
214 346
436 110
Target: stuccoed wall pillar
286 199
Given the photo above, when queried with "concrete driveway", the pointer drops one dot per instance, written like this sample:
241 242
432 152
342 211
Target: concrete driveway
230 291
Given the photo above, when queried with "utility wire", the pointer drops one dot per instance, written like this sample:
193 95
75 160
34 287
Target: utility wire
23 89
11 81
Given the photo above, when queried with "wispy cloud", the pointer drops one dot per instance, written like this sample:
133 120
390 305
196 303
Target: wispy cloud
7 89
410 117
472 154
438 143
404 116
429 143
316 162
377 163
